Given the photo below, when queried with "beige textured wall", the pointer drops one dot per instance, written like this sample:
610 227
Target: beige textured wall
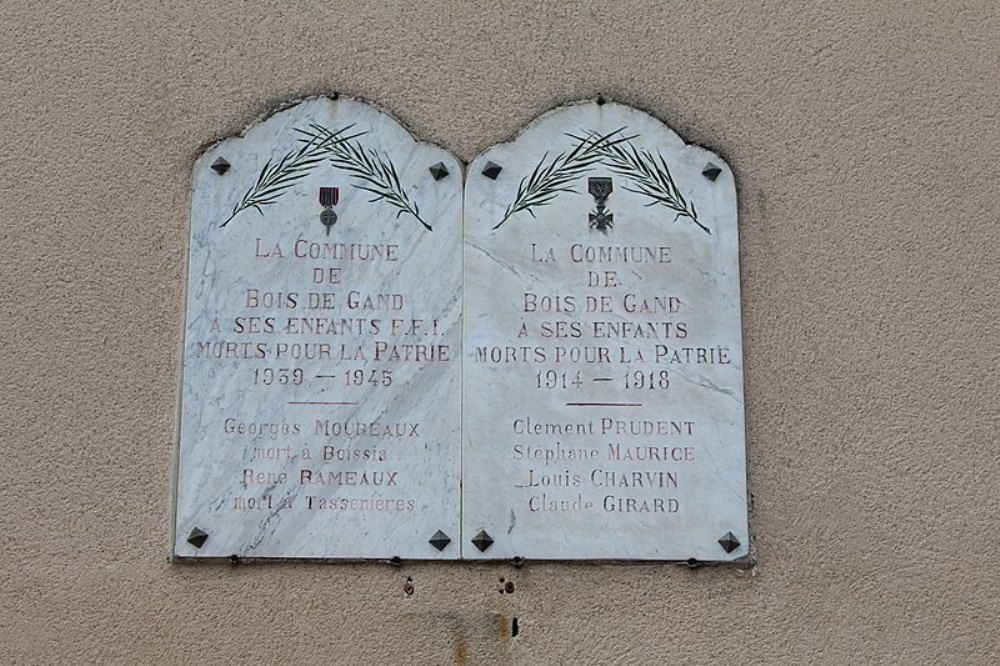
865 137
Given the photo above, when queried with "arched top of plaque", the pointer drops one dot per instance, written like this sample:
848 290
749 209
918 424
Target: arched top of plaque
355 153
594 150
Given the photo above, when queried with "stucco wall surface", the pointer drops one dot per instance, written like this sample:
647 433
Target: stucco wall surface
864 136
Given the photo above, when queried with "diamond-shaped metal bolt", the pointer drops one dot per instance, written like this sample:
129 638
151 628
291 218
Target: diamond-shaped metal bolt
492 170
482 541
729 542
439 171
711 172
440 540
220 166
197 538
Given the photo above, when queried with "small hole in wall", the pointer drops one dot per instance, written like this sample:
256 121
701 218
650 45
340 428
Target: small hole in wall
514 631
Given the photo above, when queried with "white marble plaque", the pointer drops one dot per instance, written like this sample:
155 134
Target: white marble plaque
321 379
603 383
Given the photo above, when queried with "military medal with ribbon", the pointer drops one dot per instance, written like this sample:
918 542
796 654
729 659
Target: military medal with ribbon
328 198
601 189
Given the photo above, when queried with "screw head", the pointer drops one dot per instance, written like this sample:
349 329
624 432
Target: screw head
711 172
729 542
220 166
440 540
482 541
439 171
197 538
492 170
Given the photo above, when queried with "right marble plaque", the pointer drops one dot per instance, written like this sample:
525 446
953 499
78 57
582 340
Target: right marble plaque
603 383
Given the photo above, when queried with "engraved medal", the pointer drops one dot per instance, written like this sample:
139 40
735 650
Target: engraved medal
328 198
601 189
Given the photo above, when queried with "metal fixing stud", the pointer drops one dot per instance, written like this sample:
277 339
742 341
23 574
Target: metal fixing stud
492 170
197 538
729 542
439 171
220 166
482 541
440 540
711 172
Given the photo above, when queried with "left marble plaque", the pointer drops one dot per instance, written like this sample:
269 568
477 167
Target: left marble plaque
320 411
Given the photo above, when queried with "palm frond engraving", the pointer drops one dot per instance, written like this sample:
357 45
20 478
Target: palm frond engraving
375 174
276 177
650 176
547 181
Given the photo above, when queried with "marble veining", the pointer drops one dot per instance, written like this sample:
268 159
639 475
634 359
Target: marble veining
603 386
380 360
321 381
